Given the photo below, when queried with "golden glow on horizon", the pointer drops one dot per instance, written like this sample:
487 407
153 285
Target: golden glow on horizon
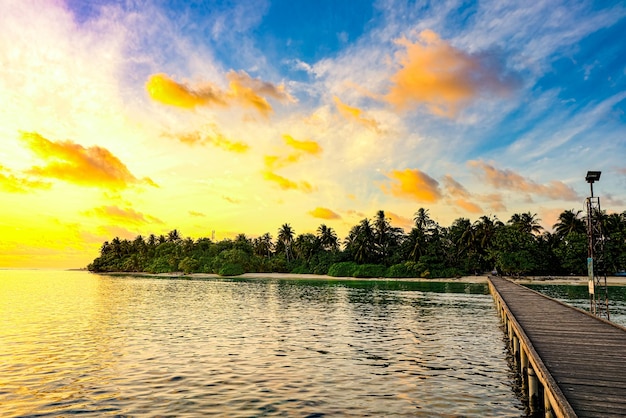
86 127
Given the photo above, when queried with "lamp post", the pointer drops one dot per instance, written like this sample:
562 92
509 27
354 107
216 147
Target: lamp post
595 251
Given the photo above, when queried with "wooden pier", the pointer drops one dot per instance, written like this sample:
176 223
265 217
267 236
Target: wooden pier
573 364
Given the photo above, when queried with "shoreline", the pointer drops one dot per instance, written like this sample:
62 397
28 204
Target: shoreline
556 280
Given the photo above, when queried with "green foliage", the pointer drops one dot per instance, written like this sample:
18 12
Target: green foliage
302 269
343 269
160 265
189 265
406 269
370 271
428 250
231 269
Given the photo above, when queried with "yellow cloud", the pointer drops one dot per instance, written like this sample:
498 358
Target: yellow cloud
242 89
197 214
412 184
163 89
118 215
231 200
274 162
71 162
324 213
12 184
308 147
509 180
442 77
286 184
355 114
216 139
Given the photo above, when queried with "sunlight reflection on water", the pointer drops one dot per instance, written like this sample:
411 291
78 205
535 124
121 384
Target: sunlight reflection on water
72 342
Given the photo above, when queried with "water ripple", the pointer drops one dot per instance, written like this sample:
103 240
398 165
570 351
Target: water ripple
74 343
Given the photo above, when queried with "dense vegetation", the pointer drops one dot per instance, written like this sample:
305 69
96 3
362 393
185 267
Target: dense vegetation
374 248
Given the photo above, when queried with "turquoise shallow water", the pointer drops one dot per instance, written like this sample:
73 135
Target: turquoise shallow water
77 343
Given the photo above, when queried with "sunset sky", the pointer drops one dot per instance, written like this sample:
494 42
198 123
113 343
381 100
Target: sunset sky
122 118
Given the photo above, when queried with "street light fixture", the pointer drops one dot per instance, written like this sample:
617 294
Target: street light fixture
595 254
592 176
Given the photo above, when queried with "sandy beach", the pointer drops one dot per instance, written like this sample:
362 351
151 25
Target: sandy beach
563 280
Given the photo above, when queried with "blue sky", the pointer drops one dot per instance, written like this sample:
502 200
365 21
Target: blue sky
239 116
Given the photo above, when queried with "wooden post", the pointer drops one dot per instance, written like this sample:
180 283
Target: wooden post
533 391
547 407
523 364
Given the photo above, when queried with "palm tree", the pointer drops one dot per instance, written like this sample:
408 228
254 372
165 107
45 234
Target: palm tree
423 222
328 238
526 222
361 242
263 245
152 240
485 230
306 245
173 236
116 246
569 221
382 233
285 235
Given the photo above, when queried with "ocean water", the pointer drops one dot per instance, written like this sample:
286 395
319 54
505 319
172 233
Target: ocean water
78 343
578 296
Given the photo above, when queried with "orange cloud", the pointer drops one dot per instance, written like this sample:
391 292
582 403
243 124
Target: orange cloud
243 90
404 223
468 206
324 213
286 184
454 188
355 114
494 201
509 180
249 92
163 89
412 184
216 139
118 215
12 184
71 162
442 78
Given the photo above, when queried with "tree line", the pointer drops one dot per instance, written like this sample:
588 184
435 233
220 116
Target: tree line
374 248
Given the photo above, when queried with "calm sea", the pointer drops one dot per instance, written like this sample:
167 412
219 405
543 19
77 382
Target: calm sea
79 343
578 296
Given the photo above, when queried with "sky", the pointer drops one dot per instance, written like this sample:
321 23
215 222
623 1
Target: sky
126 118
